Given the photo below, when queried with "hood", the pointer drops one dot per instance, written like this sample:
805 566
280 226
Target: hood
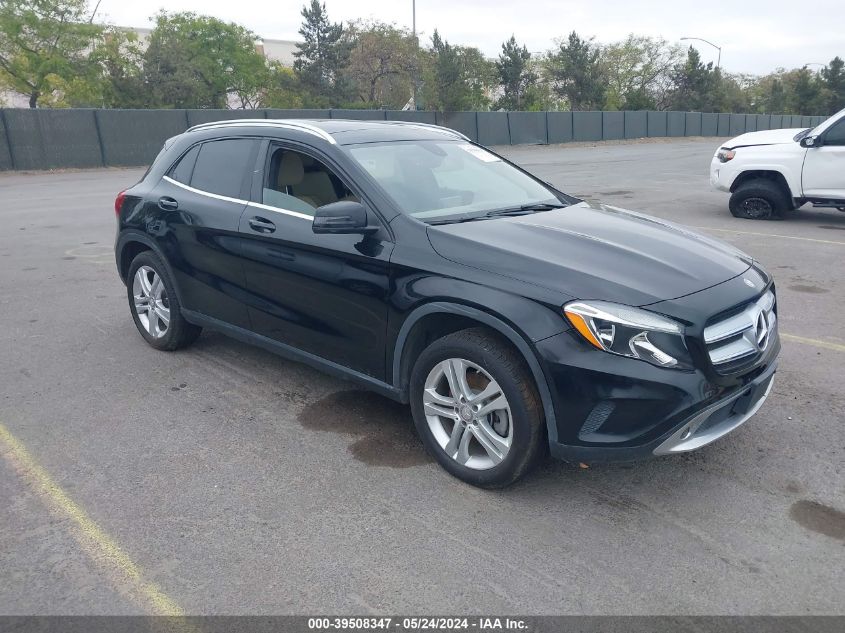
763 137
592 251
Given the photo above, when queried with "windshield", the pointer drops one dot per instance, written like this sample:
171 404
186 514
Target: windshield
821 127
435 180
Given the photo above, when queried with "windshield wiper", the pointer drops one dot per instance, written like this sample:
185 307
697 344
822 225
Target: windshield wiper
524 209
469 218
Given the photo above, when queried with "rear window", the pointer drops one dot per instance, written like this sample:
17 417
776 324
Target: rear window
183 170
221 165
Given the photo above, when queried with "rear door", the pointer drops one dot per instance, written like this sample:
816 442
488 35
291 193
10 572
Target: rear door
824 167
323 294
203 197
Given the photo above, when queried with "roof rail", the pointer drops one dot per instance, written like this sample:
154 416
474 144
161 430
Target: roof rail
295 124
291 124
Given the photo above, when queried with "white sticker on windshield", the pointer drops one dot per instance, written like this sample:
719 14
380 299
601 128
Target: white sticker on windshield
480 154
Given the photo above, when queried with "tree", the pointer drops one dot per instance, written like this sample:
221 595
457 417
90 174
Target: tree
577 73
456 77
121 63
283 89
382 63
695 84
768 95
806 96
197 61
44 43
516 76
322 54
479 77
638 71
834 79
777 99
732 92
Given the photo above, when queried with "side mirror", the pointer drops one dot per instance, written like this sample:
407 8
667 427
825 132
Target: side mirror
345 216
809 141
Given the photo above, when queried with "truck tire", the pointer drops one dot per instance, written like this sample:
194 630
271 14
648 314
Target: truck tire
760 199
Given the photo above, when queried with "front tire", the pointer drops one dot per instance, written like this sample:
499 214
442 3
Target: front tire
760 199
155 305
476 408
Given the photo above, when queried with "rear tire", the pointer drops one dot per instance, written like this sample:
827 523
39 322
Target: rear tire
760 199
155 306
491 432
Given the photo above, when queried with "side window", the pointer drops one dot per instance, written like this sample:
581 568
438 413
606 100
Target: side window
297 182
836 134
221 166
182 170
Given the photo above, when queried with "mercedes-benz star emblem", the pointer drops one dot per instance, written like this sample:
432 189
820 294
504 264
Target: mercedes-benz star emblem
761 331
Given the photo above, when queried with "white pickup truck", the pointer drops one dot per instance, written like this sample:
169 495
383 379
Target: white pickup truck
771 172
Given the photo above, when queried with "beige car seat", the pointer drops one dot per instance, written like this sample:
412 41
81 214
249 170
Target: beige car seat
317 185
312 187
290 177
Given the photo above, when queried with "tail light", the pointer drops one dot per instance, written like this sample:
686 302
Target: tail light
118 202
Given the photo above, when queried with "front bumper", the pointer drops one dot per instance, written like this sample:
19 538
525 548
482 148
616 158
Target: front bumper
722 175
609 408
720 418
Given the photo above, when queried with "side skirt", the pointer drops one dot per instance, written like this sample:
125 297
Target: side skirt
293 353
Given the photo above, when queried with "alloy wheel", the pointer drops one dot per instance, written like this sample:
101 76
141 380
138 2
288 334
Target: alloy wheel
468 413
151 303
756 207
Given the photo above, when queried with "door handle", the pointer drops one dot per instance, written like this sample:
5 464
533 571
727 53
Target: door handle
166 203
261 225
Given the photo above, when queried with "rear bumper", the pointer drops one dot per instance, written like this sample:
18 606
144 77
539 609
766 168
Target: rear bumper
612 409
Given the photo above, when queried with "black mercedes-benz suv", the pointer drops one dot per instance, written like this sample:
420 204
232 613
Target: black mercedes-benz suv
509 315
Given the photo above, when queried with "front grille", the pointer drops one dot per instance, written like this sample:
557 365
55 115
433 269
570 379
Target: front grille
736 342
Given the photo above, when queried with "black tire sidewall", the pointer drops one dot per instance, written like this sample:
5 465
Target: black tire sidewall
526 421
768 191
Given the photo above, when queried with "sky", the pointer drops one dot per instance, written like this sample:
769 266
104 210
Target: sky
756 36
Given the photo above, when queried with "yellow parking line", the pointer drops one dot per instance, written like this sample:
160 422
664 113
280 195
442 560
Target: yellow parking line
97 544
783 237
813 341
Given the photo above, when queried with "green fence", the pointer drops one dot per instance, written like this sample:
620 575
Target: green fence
56 139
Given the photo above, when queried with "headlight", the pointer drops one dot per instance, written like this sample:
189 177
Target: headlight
724 154
630 332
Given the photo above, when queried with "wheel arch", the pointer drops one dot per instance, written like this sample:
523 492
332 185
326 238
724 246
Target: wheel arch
762 174
129 245
447 317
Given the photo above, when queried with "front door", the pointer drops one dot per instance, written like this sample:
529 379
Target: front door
824 167
323 294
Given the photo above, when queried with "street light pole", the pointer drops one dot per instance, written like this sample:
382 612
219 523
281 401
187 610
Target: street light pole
416 52
718 48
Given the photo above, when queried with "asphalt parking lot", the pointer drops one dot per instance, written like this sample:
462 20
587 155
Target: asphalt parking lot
224 480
